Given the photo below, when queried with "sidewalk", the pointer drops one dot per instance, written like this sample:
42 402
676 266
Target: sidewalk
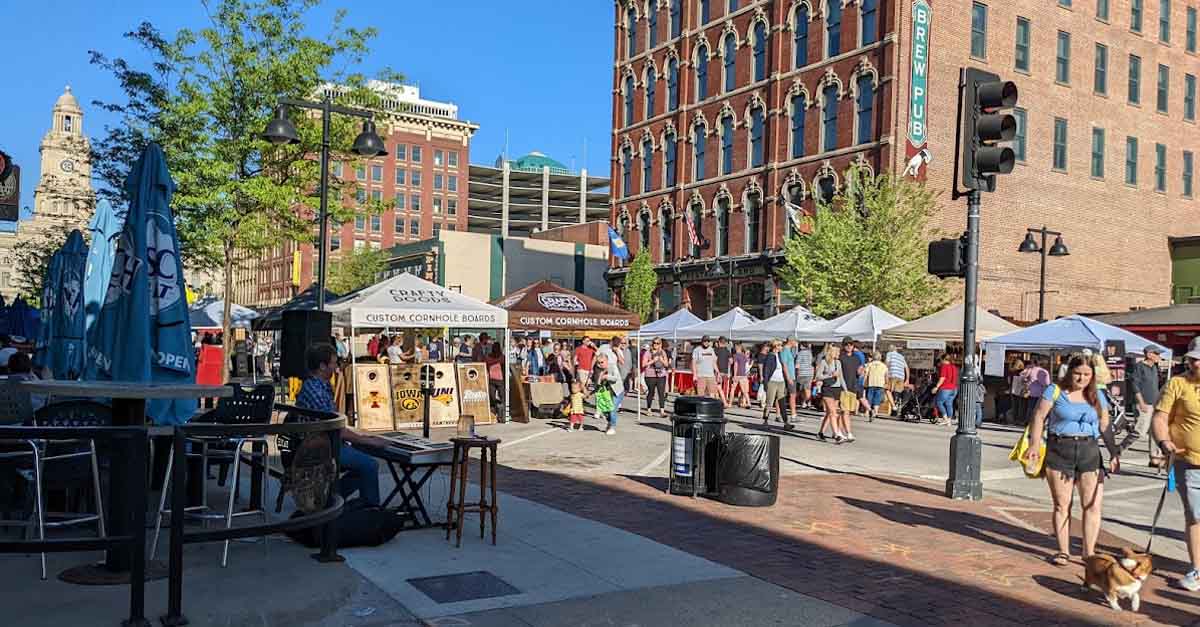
891 548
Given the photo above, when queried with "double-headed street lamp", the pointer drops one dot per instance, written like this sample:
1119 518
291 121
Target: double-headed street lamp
368 144
1058 249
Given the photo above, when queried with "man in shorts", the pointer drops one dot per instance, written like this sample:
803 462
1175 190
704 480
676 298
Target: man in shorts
805 372
897 376
852 373
704 369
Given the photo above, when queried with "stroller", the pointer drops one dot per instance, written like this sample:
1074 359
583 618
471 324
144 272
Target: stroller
917 405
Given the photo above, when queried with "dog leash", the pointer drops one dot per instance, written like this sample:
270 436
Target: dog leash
1161 499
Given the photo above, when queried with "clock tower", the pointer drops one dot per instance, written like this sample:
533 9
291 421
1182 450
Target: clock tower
63 197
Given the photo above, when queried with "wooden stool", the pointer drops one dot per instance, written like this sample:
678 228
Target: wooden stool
460 465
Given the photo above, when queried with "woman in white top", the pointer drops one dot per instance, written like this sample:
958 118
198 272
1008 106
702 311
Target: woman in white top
829 374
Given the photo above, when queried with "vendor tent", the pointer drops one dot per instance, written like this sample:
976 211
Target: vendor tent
669 326
408 301
863 325
545 306
1071 332
947 326
724 325
209 313
782 326
273 318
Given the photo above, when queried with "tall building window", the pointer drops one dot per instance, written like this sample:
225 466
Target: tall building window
1018 144
1189 97
626 172
452 183
760 51
1098 152
376 222
666 228
630 33
414 203
400 176
360 172
753 222
651 80
438 180
826 190
733 6
757 122
1102 10
705 11
647 165
722 224
377 173
1135 16
401 150
695 247
1060 144
360 222
414 226
727 144
701 72
833 28
1187 173
799 106
866 109
416 178
1021 56
376 195
1164 21
652 24
800 37
629 84
869 32
1160 168
398 201
700 141
644 231
676 18
360 195
795 198
1131 160
439 158
1190 39
730 52
416 154
337 169
1135 79
829 118
672 84
979 30
398 226
1164 81
1062 64
670 156
1100 78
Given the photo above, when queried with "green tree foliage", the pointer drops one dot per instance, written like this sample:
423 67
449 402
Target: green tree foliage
31 261
640 281
868 247
205 97
355 269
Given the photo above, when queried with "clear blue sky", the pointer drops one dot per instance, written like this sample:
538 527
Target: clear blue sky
542 69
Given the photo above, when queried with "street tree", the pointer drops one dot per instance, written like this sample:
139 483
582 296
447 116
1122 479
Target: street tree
638 293
206 95
868 246
355 269
31 261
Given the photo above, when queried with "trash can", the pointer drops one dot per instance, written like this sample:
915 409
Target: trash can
697 427
748 470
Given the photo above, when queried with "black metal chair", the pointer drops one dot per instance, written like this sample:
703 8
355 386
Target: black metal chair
287 445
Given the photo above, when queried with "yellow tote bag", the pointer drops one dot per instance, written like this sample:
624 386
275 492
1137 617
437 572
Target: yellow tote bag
1021 449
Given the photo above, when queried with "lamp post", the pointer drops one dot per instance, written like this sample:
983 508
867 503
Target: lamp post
368 144
1058 249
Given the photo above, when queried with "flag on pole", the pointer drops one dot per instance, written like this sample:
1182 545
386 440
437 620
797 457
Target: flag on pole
616 245
693 236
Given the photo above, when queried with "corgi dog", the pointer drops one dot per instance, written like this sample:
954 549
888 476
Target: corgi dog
1118 577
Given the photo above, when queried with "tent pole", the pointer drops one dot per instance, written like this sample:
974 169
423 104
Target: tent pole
637 379
507 375
353 366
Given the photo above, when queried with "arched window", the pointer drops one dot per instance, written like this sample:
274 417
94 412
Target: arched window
701 72
651 79
626 171
623 231
757 123
826 189
629 84
644 231
695 243
630 33
753 222
869 31
676 18
833 28
700 141
727 144
670 155
722 211
672 84
652 23
647 164
666 226
795 200
799 108
730 52
829 117
866 109
760 51
68 124
800 37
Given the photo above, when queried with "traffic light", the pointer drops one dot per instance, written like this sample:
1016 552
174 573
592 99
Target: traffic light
948 257
983 98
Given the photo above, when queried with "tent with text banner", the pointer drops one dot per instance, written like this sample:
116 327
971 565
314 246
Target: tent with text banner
545 306
408 301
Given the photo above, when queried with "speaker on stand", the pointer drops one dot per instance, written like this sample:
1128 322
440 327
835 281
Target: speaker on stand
302 329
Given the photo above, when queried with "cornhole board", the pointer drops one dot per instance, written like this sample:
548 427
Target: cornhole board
473 393
373 405
409 402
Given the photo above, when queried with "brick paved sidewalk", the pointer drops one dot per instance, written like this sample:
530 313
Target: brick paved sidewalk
894 548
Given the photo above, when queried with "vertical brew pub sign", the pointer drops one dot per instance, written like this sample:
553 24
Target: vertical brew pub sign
916 150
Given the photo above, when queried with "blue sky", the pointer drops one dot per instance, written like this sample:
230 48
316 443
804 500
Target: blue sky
540 69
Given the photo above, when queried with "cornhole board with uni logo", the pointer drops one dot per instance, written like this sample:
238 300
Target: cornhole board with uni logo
373 403
409 402
473 393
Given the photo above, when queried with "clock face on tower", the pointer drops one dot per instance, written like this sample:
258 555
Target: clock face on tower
67 165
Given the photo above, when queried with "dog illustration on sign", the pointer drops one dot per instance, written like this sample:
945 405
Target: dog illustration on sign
919 160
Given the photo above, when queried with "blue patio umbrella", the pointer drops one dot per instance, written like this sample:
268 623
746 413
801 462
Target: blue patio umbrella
105 226
126 343
50 290
3 316
66 322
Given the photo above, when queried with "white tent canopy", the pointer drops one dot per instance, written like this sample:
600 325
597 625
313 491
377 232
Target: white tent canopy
1071 332
408 301
782 326
863 325
947 326
668 326
724 325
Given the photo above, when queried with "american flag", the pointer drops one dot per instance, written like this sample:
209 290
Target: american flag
693 236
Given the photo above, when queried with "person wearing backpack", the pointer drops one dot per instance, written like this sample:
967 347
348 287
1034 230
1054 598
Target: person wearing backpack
1074 416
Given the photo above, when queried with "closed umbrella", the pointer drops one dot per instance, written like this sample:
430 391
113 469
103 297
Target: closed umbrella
128 345
50 289
66 323
105 226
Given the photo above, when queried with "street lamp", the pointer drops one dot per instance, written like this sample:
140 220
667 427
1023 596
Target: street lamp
280 131
1058 249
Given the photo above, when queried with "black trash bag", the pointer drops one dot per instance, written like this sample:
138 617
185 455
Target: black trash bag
749 469
359 525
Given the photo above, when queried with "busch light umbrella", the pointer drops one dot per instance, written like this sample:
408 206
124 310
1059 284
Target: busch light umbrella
143 333
41 337
105 226
66 321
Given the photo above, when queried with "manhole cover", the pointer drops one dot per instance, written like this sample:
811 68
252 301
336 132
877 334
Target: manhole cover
463 587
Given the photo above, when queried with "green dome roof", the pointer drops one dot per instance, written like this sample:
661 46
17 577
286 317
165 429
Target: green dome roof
534 161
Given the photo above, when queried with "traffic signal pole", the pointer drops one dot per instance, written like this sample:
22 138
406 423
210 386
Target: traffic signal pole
966 449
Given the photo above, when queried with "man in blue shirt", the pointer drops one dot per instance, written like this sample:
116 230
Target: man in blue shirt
316 393
787 359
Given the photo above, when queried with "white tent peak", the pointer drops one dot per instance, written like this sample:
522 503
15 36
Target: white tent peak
667 326
781 326
408 301
947 325
724 325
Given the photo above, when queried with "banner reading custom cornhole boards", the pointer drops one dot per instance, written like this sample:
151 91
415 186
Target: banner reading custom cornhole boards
409 402
473 393
373 401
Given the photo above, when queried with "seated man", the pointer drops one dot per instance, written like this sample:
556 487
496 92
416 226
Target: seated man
316 393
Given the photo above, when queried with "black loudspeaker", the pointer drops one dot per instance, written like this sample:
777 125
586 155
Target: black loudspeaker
302 329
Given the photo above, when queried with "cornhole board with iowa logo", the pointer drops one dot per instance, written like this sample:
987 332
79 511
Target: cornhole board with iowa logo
409 402
406 397
473 393
373 403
